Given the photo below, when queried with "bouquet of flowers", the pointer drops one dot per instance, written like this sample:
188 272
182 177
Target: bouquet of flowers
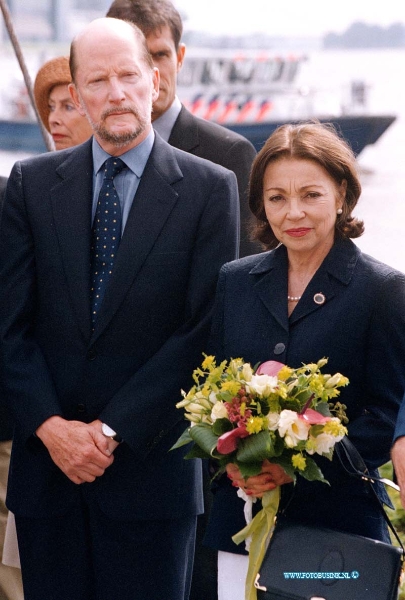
242 414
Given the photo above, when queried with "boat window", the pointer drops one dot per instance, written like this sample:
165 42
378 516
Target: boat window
188 72
242 71
214 71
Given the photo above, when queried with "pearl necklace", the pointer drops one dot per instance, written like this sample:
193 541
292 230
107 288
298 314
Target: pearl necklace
293 298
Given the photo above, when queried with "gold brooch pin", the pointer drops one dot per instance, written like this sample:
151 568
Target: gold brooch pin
319 298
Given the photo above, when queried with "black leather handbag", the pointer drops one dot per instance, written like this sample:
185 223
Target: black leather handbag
304 562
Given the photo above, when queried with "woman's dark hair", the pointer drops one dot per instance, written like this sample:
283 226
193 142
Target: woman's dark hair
310 141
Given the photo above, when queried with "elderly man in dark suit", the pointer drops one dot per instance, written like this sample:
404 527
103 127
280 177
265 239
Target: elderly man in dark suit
163 28
109 254
10 577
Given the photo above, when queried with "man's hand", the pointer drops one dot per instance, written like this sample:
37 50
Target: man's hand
112 444
398 460
271 476
78 449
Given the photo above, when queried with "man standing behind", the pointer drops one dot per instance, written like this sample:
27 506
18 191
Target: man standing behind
105 309
162 25
10 577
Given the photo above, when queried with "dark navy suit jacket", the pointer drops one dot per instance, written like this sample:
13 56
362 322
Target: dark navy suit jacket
226 148
361 330
6 426
151 331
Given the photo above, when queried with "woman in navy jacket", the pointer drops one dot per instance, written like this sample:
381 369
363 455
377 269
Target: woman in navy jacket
314 295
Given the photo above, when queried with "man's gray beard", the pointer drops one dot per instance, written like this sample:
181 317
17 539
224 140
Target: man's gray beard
118 140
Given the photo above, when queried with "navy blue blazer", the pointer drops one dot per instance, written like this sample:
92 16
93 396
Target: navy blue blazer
361 330
151 330
6 426
224 147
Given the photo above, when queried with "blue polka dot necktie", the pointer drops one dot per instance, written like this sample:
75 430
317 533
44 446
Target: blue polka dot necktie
106 235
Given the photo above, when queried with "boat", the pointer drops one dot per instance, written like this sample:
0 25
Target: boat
251 93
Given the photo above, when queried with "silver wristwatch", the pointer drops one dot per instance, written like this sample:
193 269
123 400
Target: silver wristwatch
110 433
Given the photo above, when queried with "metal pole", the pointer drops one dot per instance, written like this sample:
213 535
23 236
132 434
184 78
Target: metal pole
18 52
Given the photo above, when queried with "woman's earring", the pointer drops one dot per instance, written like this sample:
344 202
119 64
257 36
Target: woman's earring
339 211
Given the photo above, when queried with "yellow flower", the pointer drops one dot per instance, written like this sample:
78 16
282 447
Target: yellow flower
232 387
208 362
284 373
337 380
299 462
255 424
316 384
334 427
310 445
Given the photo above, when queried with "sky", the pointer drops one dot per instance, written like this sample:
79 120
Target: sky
294 17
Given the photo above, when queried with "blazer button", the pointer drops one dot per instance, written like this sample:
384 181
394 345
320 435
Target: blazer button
81 408
91 354
279 348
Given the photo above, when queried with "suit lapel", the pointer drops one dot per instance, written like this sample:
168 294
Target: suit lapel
336 269
272 284
184 134
319 291
152 205
71 204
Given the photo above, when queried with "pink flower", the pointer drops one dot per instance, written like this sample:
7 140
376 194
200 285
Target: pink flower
234 408
314 417
228 441
270 367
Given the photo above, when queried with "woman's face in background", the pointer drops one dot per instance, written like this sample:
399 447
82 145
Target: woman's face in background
67 126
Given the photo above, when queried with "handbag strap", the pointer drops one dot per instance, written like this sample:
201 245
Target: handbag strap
348 454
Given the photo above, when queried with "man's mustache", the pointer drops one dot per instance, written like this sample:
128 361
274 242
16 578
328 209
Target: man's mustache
116 111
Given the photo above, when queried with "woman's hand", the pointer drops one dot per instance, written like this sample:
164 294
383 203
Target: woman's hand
269 478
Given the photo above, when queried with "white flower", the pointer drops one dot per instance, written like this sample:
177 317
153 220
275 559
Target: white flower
247 372
273 419
292 428
202 400
322 443
219 411
263 385
290 442
212 398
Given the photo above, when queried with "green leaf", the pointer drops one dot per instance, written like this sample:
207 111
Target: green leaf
312 472
255 448
204 437
183 439
323 408
197 452
224 396
328 455
221 426
315 430
304 395
278 444
249 469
